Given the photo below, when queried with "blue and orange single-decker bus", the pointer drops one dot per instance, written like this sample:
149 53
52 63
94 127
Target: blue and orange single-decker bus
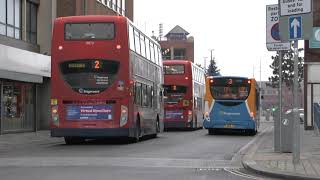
106 80
231 103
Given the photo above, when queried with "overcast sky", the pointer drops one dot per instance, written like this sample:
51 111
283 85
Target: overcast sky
235 29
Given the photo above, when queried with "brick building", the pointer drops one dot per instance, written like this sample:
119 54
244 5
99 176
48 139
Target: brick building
25 63
312 73
177 45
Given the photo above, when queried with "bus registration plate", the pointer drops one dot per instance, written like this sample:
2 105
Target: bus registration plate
228 126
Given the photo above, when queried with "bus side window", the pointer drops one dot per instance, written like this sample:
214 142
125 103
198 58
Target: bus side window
149 96
144 96
138 94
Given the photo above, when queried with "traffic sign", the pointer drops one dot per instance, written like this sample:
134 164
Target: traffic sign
293 7
295 27
273 41
314 41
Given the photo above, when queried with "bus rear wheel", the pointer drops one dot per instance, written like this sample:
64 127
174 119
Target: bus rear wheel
136 138
211 131
73 140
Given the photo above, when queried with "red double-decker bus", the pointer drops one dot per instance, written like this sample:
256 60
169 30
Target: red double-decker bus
107 80
184 90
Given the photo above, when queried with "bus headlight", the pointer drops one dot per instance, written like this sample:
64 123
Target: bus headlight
55 115
189 116
124 115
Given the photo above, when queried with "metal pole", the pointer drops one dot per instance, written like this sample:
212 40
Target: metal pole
205 64
260 105
276 120
280 99
296 127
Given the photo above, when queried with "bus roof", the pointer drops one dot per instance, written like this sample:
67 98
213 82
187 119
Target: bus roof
176 62
222 77
90 18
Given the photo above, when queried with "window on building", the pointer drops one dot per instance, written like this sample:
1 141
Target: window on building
119 6
114 5
179 53
31 16
10 18
166 53
123 7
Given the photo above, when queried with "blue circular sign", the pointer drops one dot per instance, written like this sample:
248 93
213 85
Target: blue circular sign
275 32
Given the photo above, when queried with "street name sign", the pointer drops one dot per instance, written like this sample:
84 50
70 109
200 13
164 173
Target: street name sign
293 7
297 27
273 41
314 41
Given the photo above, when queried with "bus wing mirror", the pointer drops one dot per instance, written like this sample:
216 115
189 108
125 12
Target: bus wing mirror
262 97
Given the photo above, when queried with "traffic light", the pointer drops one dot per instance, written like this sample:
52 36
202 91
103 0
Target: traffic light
273 109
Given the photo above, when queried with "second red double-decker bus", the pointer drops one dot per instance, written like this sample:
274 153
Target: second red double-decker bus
184 90
106 79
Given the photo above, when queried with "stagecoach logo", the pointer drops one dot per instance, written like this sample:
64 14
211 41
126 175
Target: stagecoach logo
229 113
83 91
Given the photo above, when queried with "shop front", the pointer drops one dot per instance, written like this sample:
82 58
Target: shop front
23 77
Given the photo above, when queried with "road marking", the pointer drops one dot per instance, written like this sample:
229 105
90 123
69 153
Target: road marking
236 172
113 161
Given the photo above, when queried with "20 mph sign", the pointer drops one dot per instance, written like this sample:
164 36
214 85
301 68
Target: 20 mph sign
273 36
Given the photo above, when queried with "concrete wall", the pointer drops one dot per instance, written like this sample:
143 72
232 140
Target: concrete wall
43 104
46 16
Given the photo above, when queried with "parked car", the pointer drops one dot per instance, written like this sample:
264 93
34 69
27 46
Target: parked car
301 114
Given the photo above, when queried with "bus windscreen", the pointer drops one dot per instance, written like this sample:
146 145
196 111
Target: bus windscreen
174 94
89 76
230 89
173 69
89 31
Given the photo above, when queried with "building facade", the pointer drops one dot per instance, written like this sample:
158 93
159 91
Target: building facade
312 74
177 45
25 62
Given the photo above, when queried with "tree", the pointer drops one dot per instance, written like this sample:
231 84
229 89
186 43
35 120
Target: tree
213 69
287 68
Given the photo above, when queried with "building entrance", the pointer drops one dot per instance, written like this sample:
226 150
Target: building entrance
18 107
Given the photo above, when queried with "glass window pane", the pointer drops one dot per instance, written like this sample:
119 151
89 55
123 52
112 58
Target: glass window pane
152 52
2 29
33 18
17 33
28 17
147 49
119 6
17 13
123 5
143 48
131 38
137 42
10 31
10 14
3 11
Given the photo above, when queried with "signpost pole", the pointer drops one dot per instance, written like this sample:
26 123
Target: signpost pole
280 99
296 127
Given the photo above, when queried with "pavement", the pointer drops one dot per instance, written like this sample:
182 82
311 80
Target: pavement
261 158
